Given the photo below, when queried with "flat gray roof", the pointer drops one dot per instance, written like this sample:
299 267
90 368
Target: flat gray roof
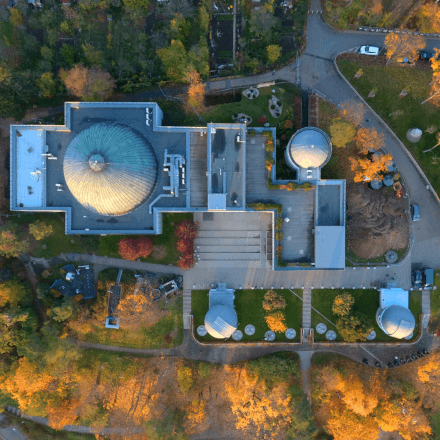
328 205
330 247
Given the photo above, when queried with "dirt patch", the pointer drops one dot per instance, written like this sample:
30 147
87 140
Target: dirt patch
378 221
159 252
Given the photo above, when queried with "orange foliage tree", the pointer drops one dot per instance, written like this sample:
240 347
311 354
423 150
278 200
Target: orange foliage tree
429 18
185 246
186 230
434 93
131 248
368 169
196 91
186 261
403 45
369 140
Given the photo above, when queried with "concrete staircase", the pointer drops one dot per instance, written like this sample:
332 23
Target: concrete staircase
234 248
307 312
186 309
426 302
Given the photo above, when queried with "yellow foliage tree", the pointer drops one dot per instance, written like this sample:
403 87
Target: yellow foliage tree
16 18
368 140
403 45
366 169
273 52
40 230
428 369
276 322
133 305
353 112
429 16
341 132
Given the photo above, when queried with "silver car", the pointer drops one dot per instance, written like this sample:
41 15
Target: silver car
415 212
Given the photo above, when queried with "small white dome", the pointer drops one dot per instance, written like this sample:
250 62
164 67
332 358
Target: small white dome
397 321
221 321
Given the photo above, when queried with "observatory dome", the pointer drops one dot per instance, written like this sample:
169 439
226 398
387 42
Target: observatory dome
397 321
309 147
221 321
110 169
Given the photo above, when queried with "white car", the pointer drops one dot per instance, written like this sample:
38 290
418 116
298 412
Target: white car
369 50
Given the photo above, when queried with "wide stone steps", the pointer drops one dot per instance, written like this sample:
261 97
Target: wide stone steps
186 308
232 249
217 264
307 309
228 234
229 256
225 241
426 302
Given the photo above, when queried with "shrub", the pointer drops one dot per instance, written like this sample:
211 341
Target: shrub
205 369
279 236
354 328
342 304
186 261
186 230
275 321
272 107
10 244
185 246
292 186
262 120
185 379
273 300
287 124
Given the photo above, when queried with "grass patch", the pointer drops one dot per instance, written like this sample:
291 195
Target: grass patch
389 81
108 246
255 108
365 301
355 259
156 336
35 431
249 308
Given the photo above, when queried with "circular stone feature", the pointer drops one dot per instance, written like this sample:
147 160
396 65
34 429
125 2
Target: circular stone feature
376 184
96 162
388 180
110 169
391 257
371 336
330 335
391 167
237 335
290 333
321 328
249 329
201 330
414 135
309 147
269 336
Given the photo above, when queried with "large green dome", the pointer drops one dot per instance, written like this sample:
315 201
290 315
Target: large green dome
110 169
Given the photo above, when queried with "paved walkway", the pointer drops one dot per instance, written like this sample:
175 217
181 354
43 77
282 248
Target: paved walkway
305 362
11 433
307 309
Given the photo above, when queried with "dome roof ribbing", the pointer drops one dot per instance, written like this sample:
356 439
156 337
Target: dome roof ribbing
398 321
221 321
309 147
110 169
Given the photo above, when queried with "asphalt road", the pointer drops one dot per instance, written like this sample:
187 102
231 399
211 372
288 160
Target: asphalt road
317 71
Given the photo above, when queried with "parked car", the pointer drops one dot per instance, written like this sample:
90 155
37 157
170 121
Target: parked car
415 212
369 50
428 278
426 56
417 278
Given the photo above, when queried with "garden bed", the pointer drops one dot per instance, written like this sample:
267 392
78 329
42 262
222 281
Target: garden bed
249 308
365 301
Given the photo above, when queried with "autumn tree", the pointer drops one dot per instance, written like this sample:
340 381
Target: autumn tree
186 261
341 132
92 84
131 248
12 292
16 18
196 91
369 140
355 327
273 52
342 304
354 112
403 45
186 230
132 305
67 310
182 7
10 244
137 5
434 93
185 246
276 322
273 301
436 145
429 18
94 56
368 169
40 230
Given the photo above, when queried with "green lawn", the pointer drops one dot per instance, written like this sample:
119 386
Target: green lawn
254 108
388 82
355 259
435 306
248 305
365 301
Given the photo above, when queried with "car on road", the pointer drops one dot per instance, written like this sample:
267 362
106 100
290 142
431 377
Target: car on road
423 278
369 50
425 55
415 212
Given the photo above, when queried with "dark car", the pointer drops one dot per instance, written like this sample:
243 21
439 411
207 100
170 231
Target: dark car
417 279
415 212
424 55
428 278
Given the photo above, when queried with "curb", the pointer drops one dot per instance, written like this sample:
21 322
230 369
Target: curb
382 122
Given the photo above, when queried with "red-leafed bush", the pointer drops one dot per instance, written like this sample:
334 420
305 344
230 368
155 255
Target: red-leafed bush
186 261
262 120
186 230
184 246
287 124
131 248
